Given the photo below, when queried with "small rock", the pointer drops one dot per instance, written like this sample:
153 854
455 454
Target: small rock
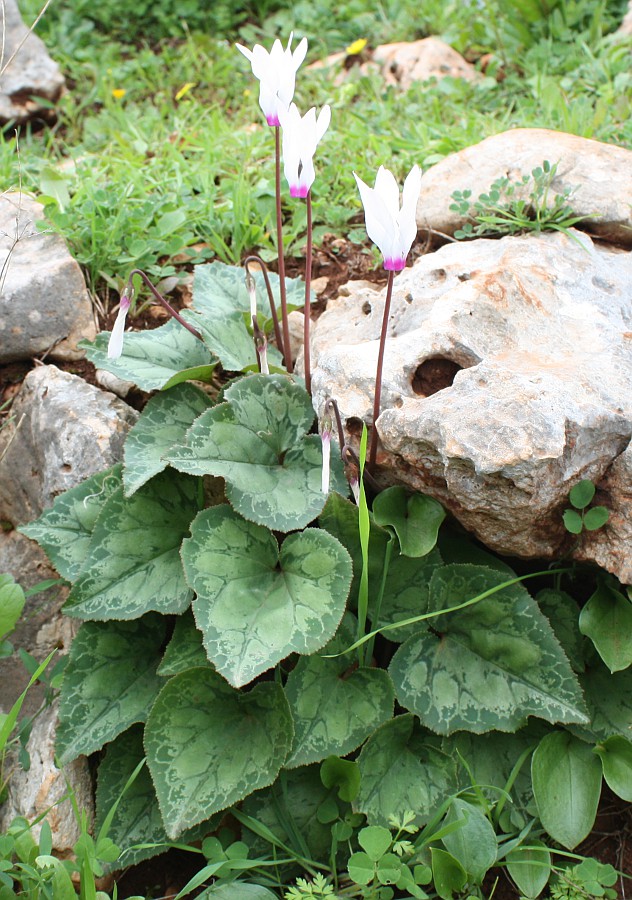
30 73
44 304
506 381
405 62
296 322
625 29
62 430
602 174
110 382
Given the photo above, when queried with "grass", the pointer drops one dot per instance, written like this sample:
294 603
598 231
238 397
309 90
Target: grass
159 146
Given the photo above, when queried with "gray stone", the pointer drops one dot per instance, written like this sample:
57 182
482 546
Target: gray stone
44 304
625 29
39 791
506 380
26 70
602 174
62 431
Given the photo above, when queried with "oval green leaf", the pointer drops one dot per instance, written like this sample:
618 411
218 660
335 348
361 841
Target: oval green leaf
415 519
566 777
607 620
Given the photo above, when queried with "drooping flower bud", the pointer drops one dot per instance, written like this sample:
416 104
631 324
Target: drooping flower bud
115 344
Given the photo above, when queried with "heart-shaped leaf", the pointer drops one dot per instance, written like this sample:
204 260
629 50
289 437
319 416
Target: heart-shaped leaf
161 425
255 604
137 824
133 562
486 666
150 359
415 519
335 708
256 441
110 682
607 620
403 768
64 530
209 746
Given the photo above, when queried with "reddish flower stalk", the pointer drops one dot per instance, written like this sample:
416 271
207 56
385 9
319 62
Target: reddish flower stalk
174 313
378 375
287 353
308 300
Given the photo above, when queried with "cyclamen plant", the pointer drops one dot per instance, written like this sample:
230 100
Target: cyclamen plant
248 630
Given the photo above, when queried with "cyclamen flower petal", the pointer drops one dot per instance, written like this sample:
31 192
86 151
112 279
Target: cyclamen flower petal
326 439
276 72
115 344
392 228
301 136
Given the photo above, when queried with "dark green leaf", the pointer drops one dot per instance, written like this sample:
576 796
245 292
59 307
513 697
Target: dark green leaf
616 759
185 650
596 517
344 774
110 682
487 666
562 612
256 604
11 604
133 562
64 530
209 746
403 768
474 844
448 874
566 778
335 707
150 359
573 522
530 868
162 424
609 701
256 440
607 620
582 493
414 517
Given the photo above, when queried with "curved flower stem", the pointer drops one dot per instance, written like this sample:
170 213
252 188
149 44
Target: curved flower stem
307 310
172 312
378 375
332 404
275 319
287 353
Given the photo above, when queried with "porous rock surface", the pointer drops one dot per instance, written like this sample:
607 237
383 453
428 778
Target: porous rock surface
600 173
30 73
62 431
44 304
506 381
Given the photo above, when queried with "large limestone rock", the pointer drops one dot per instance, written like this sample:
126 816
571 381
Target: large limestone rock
62 431
44 303
506 380
602 174
28 72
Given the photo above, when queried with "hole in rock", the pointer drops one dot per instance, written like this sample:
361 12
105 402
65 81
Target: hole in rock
354 426
366 308
433 375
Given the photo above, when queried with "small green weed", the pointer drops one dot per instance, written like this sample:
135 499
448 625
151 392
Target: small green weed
585 881
581 517
513 207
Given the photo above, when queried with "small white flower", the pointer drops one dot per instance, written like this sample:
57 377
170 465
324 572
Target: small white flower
276 72
392 228
115 344
301 136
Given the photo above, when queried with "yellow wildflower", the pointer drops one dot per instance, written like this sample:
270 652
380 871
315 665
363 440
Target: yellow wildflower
117 93
357 47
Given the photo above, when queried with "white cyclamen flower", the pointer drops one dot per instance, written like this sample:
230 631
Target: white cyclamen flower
115 344
276 72
392 228
301 136
326 443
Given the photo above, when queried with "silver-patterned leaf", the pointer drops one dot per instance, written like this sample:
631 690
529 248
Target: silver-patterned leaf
209 746
109 683
161 425
487 666
133 561
256 604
